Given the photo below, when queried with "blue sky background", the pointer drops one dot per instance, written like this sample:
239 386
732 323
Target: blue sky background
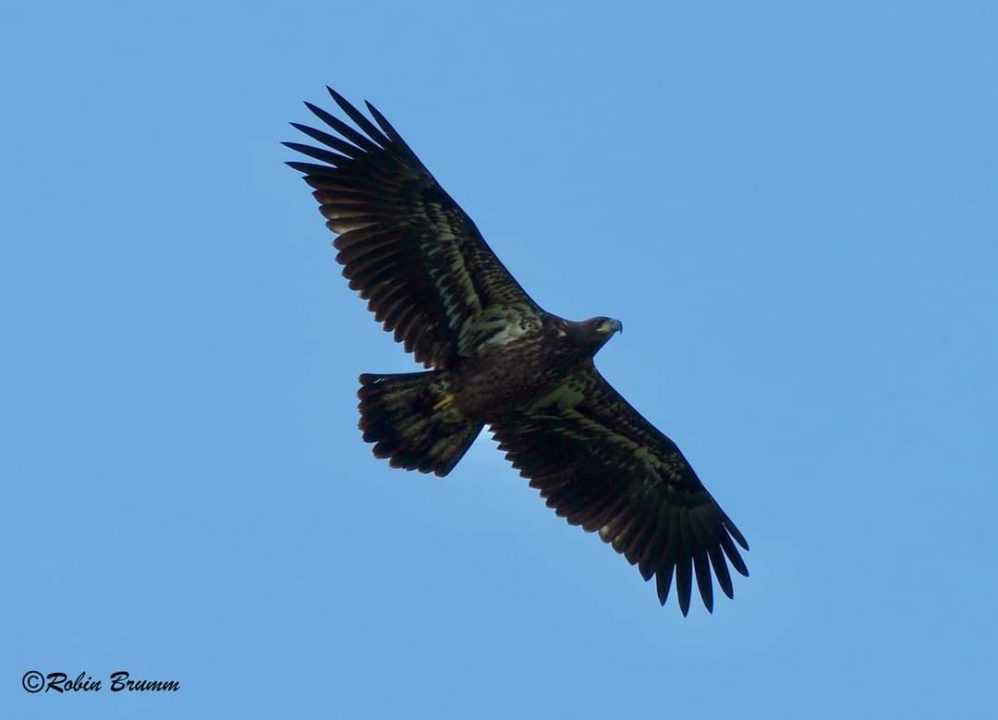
791 206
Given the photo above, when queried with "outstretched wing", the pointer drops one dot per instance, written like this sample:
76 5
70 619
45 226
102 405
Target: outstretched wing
405 245
601 465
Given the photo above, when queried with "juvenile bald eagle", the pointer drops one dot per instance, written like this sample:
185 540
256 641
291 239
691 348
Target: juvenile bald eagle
498 359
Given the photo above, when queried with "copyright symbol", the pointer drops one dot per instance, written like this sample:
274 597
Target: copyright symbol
33 681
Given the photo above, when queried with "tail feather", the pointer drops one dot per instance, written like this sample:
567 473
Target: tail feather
411 420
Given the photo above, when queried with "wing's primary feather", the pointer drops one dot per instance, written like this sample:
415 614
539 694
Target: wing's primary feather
405 245
603 466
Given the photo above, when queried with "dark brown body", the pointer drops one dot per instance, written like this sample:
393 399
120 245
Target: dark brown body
499 378
426 421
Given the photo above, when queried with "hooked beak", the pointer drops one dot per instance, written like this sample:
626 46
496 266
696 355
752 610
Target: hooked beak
611 326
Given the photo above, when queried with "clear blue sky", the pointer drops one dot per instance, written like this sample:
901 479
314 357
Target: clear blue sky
792 208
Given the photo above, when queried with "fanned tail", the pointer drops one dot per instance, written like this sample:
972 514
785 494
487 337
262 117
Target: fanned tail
412 421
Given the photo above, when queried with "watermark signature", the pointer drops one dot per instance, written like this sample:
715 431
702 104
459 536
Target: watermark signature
34 682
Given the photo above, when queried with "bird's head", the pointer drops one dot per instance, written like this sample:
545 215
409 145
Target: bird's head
594 332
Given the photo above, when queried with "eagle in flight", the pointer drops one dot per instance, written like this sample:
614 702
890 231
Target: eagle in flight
496 358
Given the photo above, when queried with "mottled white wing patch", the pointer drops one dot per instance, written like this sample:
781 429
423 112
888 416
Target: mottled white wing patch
497 325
